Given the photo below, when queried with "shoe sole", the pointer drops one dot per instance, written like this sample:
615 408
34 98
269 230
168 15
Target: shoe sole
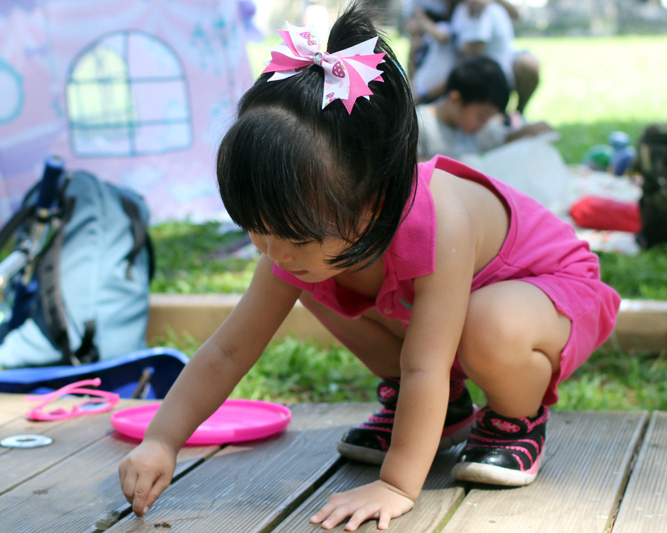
456 434
495 475
361 453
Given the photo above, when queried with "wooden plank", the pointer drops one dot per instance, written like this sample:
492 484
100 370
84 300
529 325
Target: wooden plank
641 325
82 492
12 406
18 465
199 315
15 406
584 472
437 501
249 488
644 505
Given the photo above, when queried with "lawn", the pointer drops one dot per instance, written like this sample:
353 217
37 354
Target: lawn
593 86
589 88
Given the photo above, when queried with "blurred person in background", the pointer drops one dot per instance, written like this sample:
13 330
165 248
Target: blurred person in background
444 32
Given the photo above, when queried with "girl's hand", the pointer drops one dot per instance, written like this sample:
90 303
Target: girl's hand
145 472
378 500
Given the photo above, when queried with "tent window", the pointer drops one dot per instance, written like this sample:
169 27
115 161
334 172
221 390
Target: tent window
11 89
127 96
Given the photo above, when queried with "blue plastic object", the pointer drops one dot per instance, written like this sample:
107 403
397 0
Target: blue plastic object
623 154
145 373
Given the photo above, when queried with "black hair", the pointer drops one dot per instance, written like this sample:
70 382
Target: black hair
480 80
291 169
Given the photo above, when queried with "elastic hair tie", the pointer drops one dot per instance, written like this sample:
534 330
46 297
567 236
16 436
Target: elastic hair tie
346 73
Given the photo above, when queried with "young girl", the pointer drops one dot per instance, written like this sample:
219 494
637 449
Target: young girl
429 273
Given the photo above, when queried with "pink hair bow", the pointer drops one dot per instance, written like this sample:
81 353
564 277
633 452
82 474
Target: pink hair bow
346 73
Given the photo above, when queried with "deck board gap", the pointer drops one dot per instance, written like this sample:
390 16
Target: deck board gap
195 464
638 443
303 496
455 506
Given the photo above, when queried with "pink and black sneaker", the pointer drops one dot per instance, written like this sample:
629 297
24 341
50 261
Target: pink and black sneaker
503 451
370 441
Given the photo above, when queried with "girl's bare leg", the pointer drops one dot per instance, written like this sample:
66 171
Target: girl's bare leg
377 342
374 339
511 345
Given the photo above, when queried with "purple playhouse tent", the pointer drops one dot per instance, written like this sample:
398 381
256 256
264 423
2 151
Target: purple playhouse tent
137 92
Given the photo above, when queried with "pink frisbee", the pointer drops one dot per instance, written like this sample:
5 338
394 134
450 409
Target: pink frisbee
234 421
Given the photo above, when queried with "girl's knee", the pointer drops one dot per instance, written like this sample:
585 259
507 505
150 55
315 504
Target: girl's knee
489 334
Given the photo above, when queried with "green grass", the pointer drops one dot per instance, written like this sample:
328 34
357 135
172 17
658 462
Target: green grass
614 380
643 276
292 371
589 88
188 262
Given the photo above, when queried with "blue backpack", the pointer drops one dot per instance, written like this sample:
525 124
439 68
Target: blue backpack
87 300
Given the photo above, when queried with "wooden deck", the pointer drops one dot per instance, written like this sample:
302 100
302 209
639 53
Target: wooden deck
603 472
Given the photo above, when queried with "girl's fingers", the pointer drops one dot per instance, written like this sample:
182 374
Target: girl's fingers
160 484
385 518
359 517
339 514
128 482
142 489
322 514
373 501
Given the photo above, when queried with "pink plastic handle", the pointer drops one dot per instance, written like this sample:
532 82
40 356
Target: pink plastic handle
106 400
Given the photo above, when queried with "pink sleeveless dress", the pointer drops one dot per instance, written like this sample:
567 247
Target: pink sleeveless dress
539 249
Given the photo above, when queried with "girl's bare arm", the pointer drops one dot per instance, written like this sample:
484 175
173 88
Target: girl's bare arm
220 363
438 315
206 382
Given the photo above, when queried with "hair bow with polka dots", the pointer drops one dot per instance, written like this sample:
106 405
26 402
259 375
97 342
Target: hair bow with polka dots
346 73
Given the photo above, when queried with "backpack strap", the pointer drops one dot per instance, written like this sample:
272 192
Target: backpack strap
53 303
19 218
87 351
51 293
141 238
13 224
22 294
23 220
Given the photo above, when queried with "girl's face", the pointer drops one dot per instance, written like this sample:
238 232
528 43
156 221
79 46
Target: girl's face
307 261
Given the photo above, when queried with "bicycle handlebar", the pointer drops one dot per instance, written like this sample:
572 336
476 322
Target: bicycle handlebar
21 259
48 189
12 265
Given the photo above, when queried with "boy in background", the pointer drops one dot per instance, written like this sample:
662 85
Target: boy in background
470 116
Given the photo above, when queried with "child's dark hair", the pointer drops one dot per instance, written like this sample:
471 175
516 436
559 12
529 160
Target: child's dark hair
480 80
291 169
